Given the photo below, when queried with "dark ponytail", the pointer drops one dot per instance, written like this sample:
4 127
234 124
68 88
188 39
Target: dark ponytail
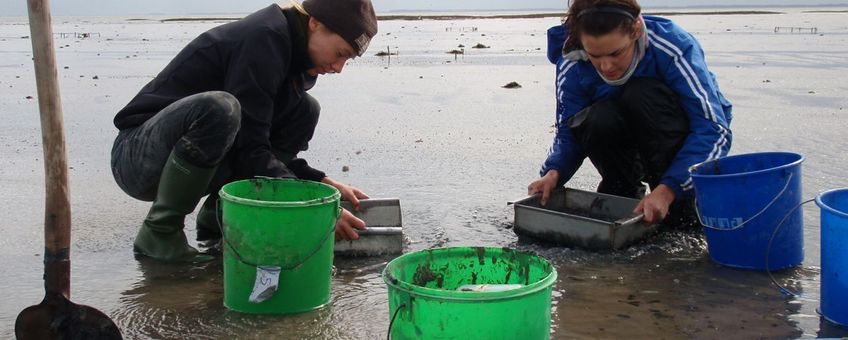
598 17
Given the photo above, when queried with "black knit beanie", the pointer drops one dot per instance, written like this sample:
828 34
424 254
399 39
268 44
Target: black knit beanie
353 20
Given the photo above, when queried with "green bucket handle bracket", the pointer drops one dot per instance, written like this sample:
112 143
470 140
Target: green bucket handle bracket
785 186
289 267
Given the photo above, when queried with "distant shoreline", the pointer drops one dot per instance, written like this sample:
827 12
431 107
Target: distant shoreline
496 16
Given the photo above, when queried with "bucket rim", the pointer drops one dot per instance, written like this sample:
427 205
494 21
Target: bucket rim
695 167
451 295
824 206
335 196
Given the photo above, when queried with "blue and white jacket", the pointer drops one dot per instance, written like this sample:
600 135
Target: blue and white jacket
672 56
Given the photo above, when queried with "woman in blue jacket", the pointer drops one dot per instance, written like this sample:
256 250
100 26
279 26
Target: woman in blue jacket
634 95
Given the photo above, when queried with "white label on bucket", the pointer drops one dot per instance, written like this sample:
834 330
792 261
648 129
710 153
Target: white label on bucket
489 287
723 223
267 280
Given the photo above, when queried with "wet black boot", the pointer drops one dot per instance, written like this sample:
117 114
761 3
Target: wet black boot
161 235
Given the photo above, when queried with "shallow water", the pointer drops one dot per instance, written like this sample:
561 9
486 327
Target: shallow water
442 135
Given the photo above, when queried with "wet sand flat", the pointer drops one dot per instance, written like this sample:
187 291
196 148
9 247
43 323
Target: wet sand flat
438 131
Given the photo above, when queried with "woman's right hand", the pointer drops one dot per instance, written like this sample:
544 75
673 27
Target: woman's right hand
544 185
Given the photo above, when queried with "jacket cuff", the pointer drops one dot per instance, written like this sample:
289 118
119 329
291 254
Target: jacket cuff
679 193
302 170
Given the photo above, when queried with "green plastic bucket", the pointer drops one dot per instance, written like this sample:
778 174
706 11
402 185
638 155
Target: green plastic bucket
425 300
278 223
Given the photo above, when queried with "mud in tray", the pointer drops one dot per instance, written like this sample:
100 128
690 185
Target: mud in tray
583 219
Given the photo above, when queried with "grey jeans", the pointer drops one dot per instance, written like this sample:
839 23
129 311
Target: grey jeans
199 129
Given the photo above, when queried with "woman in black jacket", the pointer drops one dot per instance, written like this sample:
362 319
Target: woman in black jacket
233 105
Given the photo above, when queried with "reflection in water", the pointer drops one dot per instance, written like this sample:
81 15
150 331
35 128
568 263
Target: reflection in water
666 287
175 301
170 300
829 330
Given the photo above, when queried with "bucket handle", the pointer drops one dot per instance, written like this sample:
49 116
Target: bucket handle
392 322
242 260
701 220
783 290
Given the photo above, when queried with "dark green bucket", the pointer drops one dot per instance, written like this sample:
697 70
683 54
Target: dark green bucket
426 300
278 223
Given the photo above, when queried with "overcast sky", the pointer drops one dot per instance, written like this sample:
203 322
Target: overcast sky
174 7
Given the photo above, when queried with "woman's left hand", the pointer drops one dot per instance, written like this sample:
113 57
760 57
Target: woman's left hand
349 193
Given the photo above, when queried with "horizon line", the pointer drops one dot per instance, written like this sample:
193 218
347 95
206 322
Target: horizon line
536 10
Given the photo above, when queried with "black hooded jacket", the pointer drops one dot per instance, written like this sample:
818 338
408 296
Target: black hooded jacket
260 60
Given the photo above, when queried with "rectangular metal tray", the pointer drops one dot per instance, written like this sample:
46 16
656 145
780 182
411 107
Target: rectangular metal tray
583 219
384 229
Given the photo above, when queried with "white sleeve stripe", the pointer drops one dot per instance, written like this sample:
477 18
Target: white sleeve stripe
717 146
561 77
708 109
687 77
722 141
550 151
714 154
560 82
717 150
697 88
564 62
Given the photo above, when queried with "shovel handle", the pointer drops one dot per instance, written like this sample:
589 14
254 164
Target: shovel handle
57 213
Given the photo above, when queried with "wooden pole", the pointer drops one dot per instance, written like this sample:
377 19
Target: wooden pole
57 211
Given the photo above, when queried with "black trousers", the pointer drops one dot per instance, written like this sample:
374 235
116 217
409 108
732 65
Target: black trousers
633 138
201 129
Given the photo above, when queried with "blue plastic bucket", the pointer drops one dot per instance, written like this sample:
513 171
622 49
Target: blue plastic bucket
741 200
834 255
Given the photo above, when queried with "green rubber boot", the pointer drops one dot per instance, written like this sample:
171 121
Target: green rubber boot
161 235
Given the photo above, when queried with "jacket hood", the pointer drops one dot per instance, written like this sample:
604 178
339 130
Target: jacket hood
556 39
